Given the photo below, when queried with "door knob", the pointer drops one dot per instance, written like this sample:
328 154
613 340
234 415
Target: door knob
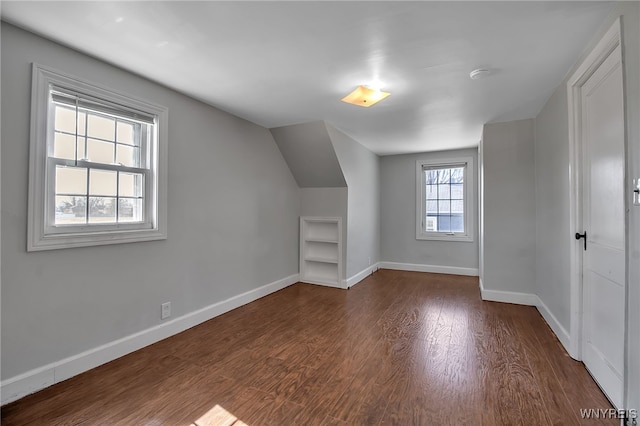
579 235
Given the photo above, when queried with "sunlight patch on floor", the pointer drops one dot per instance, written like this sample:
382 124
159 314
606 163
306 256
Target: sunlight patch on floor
218 416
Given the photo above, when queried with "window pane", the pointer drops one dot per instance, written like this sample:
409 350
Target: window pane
65 120
125 133
101 127
457 175
130 210
457 191
130 185
432 192
444 175
444 223
457 222
70 210
444 192
99 151
457 206
127 155
432 206
102 210
71 180
431 177
64 146
103 182
444 206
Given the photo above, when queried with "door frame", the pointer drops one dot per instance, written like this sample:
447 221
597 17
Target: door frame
600 52
609 42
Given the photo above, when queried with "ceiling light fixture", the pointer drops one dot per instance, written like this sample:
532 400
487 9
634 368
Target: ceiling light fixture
365 96
478 73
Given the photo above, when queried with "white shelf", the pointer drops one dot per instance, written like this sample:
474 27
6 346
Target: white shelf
321 250
318 272
320 259
320 240
324 229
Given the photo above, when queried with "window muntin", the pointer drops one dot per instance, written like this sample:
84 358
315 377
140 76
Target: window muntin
100 170
444 199
98 163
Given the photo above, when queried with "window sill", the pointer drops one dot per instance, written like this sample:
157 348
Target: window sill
445 237
63 241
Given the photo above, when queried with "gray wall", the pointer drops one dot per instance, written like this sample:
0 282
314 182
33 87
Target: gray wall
327 202
509 227
362 172
398 216
310 155
232 224
553 266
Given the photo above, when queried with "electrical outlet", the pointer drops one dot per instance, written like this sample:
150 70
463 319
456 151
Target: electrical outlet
166 310
369 260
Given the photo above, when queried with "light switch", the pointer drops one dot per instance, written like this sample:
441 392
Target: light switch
636 192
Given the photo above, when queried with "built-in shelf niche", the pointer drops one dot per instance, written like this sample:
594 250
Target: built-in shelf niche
320 250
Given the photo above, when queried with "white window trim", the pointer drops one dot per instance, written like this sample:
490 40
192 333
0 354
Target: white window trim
38 237
469 185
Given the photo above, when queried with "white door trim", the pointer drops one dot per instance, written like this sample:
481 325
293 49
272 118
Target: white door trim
600 52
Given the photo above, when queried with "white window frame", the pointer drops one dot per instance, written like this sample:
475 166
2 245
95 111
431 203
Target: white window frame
421 202
42 234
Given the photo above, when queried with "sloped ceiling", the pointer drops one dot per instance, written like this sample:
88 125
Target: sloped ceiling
310 155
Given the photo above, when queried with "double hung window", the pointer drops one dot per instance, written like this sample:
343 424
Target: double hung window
444 199
97 165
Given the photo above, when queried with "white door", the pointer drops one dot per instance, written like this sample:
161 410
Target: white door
603 274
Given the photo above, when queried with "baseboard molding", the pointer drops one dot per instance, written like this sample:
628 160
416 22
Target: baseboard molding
529 300
508 296
342 284
557 328
453 270
32 381
355 279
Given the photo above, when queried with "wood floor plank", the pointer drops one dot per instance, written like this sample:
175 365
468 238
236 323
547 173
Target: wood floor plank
556 403
527 391
402 348
461 368
507 401
364 401
574 379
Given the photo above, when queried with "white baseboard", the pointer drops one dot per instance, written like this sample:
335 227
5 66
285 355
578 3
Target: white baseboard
560 332
24 384
355 279
342 284
529 300
508 296
453 270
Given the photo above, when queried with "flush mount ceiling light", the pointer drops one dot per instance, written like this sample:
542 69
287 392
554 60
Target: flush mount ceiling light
478 74
365 96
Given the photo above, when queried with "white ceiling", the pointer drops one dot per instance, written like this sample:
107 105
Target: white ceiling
282 63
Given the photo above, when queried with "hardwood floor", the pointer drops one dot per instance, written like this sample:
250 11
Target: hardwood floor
401 348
